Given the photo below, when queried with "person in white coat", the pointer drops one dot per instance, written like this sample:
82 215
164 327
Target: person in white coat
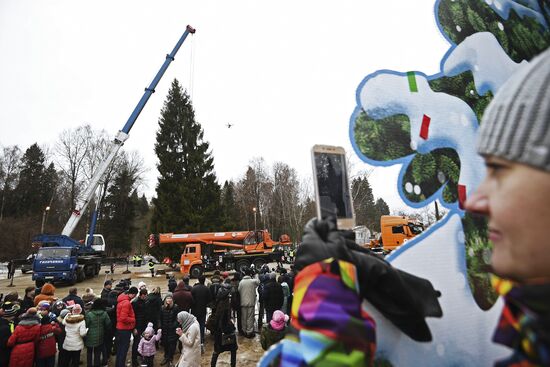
75 331
190 337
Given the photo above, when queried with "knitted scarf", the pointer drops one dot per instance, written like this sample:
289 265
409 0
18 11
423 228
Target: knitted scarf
524 324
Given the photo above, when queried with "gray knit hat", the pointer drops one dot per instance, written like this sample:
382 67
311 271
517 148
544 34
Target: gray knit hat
516 124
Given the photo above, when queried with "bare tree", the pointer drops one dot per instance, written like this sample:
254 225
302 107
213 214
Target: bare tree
72 149
9 169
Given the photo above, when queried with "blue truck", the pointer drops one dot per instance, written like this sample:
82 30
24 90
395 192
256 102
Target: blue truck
62 258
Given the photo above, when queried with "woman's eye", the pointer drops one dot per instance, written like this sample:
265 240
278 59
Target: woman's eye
494 168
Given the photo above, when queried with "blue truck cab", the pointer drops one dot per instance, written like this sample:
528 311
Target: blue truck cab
62 259
54 264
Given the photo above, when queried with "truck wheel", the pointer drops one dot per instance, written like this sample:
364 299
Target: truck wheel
196 271
80 276
258 263
241 264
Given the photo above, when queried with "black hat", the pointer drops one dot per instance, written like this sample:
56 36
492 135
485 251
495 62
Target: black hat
98 304
133 290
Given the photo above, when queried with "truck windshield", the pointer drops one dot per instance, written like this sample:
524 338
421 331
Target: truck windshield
416 228
53 253
250 239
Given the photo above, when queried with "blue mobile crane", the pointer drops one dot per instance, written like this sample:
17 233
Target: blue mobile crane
60 257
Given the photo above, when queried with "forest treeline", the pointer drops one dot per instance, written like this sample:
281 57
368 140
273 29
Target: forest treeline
39 186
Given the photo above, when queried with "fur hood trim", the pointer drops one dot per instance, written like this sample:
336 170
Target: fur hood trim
74 319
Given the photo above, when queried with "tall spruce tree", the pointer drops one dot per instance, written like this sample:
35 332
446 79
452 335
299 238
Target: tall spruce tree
229 208
187 194
363 203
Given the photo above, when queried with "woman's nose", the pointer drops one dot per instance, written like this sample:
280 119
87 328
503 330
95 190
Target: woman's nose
477 203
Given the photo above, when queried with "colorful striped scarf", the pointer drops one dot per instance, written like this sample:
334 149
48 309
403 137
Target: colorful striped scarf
524 324
329 325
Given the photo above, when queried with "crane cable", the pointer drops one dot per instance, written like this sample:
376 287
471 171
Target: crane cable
192 67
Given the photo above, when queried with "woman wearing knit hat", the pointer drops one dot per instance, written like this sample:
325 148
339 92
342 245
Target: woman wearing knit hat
514 139
275 330
24 339
190 337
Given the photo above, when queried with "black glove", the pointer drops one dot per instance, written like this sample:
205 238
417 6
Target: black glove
402 298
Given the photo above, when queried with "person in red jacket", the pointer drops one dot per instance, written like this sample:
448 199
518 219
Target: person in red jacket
125 324
49 328
24 339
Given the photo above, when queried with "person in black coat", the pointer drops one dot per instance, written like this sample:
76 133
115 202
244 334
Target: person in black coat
172 284
7 324
28 300
168 324
73 297
264 278
154 307
201 298
273 296
107 287
111 311
224 326
140 312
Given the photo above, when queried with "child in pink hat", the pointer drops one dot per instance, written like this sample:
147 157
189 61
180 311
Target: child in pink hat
275 330
147 345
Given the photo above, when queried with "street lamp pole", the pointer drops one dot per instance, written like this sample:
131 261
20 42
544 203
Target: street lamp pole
254 210
44 218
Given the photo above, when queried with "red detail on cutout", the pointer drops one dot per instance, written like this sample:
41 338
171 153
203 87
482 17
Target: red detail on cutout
461 196
424 129
76 212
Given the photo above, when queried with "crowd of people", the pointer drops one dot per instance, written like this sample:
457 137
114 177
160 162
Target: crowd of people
44 329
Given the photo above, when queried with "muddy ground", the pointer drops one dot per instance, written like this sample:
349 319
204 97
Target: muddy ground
250 350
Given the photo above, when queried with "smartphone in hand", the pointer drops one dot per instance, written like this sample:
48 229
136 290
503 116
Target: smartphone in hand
332 188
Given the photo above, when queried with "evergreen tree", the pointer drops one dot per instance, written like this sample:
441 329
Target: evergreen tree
35 186
381 208
187 194
120 211
230 213
363 203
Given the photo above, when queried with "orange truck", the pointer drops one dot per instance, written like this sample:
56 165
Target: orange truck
395 231
222 250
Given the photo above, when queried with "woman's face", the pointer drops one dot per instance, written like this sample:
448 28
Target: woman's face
516 199
169 302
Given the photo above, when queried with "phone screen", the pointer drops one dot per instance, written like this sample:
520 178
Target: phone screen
332 185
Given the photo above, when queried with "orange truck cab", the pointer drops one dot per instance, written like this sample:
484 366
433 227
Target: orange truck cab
396 230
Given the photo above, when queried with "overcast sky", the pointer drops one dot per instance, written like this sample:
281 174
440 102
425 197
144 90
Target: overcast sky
284 73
